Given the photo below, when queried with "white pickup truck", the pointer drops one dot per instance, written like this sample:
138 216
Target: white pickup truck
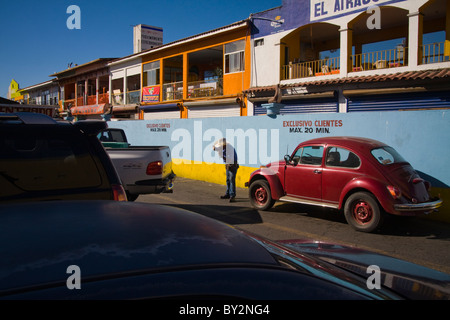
142 169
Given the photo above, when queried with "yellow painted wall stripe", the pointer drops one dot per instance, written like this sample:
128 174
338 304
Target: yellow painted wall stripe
210 172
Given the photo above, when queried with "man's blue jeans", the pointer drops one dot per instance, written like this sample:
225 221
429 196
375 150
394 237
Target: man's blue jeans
231 182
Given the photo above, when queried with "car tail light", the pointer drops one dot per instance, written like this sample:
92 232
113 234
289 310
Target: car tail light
119 192
155 167
395 192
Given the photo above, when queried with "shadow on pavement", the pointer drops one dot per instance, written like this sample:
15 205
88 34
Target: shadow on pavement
310 211
393 225
225 213
415 227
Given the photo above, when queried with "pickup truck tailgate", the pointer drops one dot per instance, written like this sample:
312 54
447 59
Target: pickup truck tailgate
142 169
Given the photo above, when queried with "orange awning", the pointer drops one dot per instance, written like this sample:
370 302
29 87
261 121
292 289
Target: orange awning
91 109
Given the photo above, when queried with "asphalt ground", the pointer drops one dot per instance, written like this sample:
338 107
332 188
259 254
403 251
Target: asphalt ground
419 240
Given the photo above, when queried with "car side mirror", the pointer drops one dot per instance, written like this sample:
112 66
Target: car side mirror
287 159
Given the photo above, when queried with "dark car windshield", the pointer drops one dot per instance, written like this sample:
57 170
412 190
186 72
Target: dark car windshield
387 155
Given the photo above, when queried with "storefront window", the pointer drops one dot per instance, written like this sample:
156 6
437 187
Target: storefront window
151 74
234 56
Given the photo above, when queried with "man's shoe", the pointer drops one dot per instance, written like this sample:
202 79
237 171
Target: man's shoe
232 199
227 196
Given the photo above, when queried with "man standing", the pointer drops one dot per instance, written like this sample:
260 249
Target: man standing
229 156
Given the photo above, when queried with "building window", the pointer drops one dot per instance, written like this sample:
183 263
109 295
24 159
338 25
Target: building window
259 42
151 74
234 56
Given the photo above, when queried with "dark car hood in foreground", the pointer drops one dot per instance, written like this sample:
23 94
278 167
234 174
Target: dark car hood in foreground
408 279
137 244
110 237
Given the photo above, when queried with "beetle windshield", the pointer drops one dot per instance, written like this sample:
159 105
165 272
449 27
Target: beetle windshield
387 155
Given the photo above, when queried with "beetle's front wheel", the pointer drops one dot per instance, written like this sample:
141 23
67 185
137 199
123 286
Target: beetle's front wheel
260 196
363 212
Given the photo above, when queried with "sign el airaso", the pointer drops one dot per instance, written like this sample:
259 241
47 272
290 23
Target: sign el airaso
327 9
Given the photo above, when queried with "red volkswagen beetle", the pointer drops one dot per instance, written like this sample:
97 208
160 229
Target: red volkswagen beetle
362 177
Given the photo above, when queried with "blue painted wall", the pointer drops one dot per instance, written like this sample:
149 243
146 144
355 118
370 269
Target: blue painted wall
422 137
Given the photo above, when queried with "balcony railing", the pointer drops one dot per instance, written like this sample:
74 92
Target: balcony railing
92 100
383 59
173 91
433 53
196 89
391 58
103 98
311 68
133 97
205 88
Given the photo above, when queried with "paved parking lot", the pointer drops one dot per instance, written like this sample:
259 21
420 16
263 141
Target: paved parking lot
418 240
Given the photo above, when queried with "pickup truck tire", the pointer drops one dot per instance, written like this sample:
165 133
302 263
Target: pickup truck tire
260 196
363 212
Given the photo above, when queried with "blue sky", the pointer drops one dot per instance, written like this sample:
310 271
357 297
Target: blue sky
35 41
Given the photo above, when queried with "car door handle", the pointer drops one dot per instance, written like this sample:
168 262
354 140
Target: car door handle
317 171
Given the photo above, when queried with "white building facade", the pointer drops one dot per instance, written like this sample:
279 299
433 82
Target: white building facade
325 55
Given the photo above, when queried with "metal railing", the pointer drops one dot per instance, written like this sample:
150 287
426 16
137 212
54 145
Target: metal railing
311 68
172 91
391 58
133 97
383 59
205 88
433 53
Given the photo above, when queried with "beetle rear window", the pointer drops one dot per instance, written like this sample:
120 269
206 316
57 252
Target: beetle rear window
387 155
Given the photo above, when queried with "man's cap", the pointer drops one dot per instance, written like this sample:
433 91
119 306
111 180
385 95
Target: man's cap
220 143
